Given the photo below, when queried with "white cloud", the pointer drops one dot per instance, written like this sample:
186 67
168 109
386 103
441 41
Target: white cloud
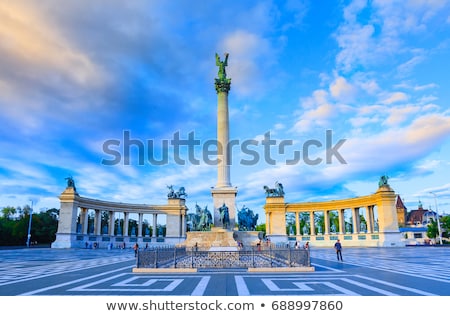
395 147
408 66
395 97
369 86
428 130
342 90
426 86
398 115
362 121
316 111
356 46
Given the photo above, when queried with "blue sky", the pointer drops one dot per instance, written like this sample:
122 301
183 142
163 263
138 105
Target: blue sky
372 73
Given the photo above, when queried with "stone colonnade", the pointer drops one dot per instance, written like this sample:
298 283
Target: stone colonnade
379 228
73 222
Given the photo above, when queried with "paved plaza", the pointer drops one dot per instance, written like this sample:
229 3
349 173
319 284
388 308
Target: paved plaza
408 271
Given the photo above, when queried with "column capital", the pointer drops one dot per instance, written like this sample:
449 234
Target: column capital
223 85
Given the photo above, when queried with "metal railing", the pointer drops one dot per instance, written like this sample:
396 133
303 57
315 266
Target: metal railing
246 258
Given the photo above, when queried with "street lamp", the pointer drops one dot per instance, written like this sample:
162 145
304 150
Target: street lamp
437 215
29 225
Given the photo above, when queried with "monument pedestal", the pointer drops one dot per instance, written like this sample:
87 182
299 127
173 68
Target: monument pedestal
205 240
227 196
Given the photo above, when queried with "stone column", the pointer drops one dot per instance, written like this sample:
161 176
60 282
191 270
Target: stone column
67 224
326 219
297 223
84 220
356 220
126 218
223 168
341 221
223 192
312 224
387 211
141 217
155 225
276 207
369 219
111 223
98 222
183 225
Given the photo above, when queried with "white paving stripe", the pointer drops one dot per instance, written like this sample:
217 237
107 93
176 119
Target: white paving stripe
201 286
396 286
369 287
327 268
174 282
302 285
420 270
73 282
241 286
32 273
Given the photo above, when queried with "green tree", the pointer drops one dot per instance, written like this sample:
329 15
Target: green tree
8 212
261 227
432 229
14 230
45 224
445 224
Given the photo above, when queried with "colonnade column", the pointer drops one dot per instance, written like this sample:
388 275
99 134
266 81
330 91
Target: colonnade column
369 219
126 218
140 218
326 219
312 224
183 225
297 223
98 222
341 221
84 220
111 223
155 218
355 220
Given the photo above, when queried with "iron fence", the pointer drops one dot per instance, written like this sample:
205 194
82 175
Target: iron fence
247 258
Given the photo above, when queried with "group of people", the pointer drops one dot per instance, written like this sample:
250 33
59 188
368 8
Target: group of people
337 247
305 246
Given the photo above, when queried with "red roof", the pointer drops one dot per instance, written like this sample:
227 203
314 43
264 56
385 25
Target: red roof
399 203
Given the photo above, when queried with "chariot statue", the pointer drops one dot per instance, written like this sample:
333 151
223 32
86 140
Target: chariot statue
247 219
277 191
180 194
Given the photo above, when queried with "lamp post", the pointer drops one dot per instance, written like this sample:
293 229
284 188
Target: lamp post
437 215
29 225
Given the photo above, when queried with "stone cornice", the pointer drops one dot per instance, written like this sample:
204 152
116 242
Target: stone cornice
171 208
362 201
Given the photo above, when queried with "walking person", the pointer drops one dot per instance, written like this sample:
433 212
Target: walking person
136 249
338 247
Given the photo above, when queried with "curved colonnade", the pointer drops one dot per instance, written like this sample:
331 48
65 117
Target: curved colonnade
75 230
361 221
